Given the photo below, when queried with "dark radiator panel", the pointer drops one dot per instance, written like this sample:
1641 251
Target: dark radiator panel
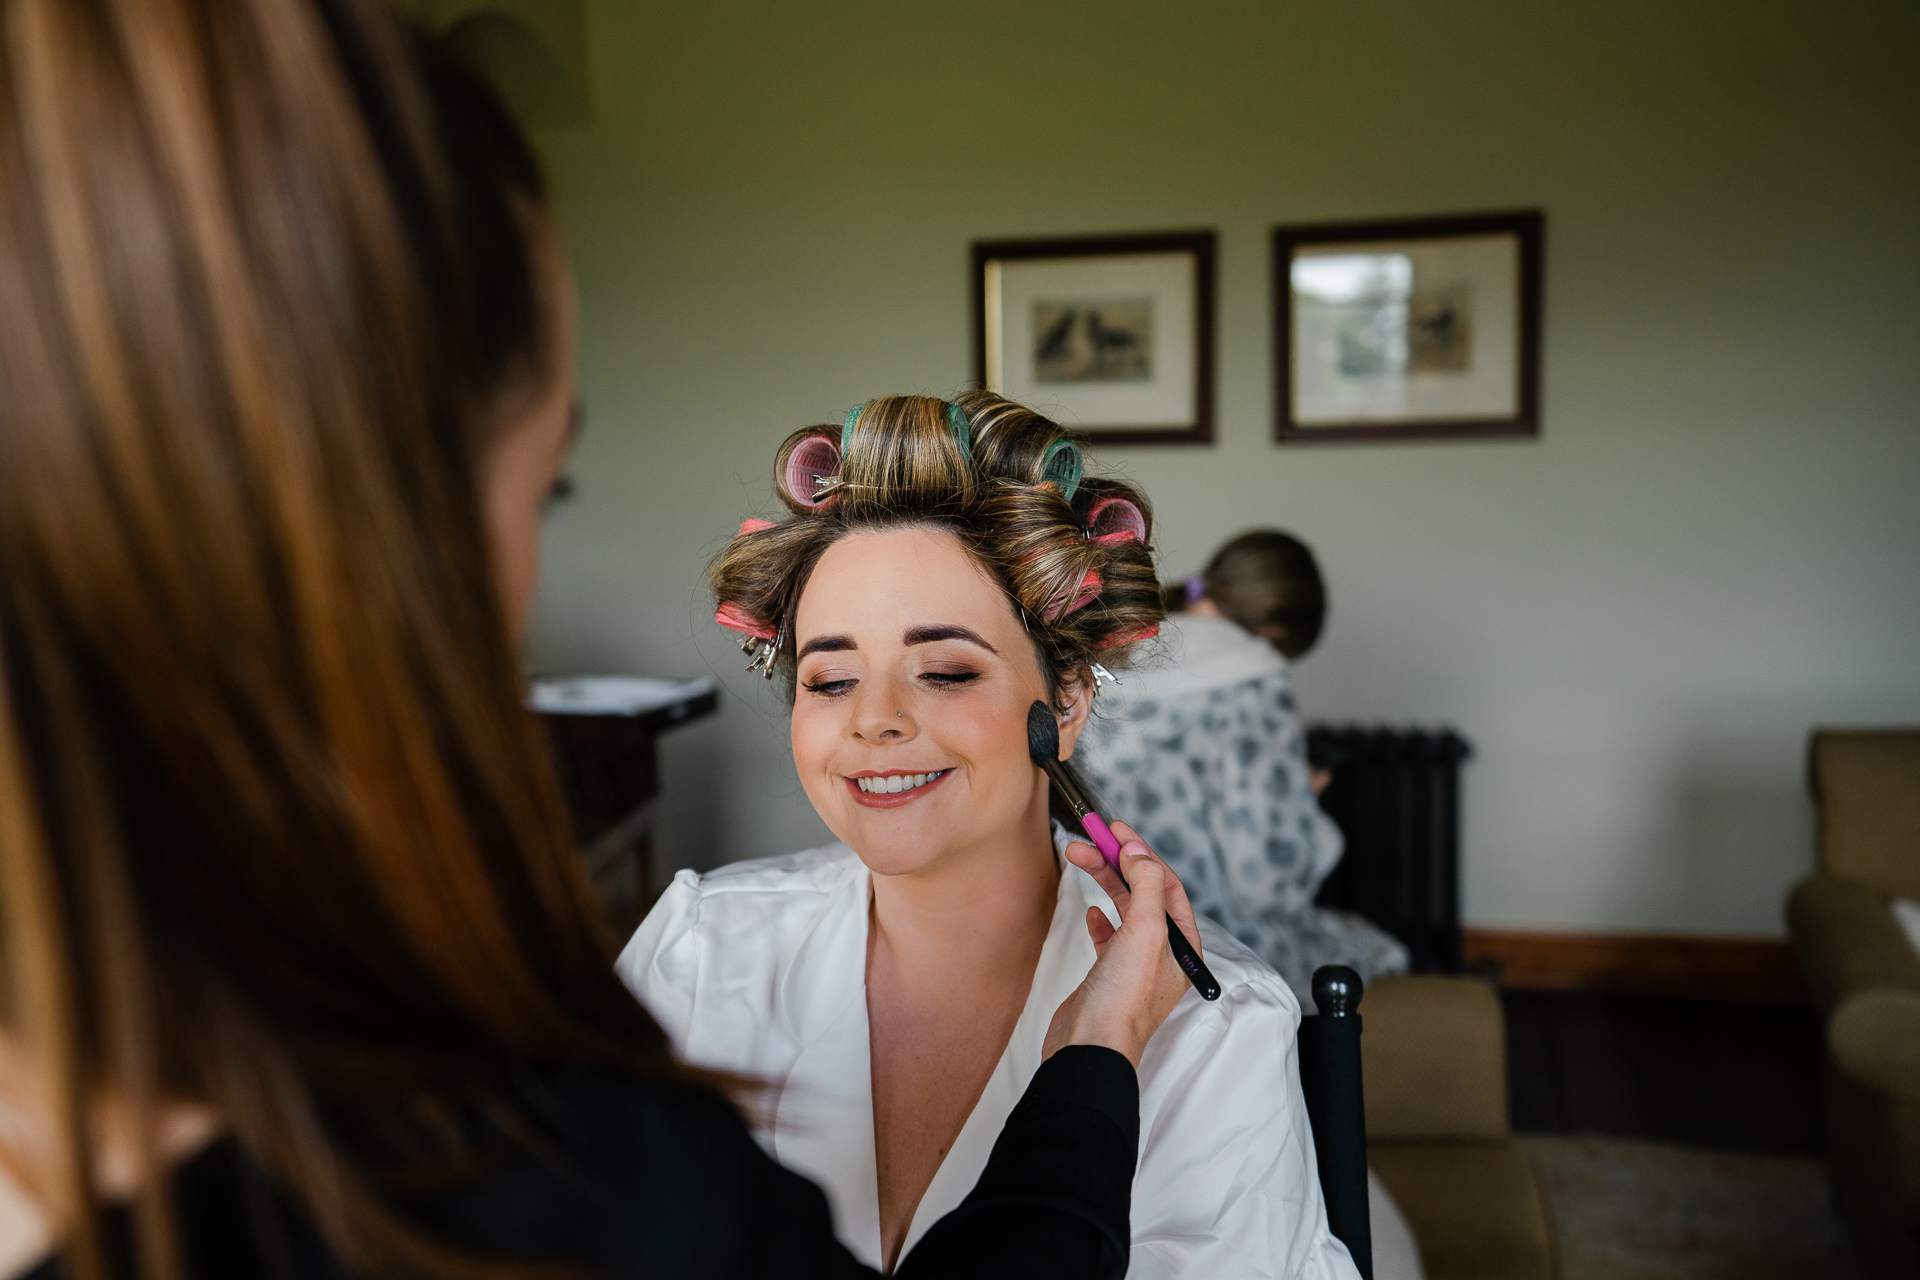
1395 795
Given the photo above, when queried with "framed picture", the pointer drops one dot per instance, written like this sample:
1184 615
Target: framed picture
1112 335
1410 329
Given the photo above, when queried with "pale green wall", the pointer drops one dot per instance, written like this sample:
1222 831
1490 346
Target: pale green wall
1715 545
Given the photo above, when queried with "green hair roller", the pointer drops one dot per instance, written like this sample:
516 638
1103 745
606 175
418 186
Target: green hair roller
1061 465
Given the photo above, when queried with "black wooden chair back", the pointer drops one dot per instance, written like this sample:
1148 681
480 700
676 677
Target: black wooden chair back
1330 1078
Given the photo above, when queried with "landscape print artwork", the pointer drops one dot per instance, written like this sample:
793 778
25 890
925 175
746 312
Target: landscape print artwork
1096 340
1111 336
1409 329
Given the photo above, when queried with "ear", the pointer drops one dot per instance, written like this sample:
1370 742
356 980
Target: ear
1076 691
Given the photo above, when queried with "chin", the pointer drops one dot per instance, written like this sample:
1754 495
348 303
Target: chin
891 844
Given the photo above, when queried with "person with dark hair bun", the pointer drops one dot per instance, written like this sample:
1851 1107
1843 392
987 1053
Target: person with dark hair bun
1211 756
945 566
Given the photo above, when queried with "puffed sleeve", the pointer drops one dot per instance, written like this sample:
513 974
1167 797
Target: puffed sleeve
1228 1184
661 962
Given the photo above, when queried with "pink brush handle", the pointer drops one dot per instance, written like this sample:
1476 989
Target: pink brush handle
1096 826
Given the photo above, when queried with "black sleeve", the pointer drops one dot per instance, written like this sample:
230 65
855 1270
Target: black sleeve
1052 1202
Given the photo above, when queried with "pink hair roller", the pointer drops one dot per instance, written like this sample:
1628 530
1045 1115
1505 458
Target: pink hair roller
813 463
1116 520
1085 594
734 618
1128 637
754 526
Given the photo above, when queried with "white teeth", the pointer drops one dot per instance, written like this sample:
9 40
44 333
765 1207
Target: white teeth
897 783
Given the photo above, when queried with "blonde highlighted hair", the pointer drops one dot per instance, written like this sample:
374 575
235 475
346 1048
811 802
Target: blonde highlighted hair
1073 552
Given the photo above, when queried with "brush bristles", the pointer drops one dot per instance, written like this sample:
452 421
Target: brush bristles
1043 734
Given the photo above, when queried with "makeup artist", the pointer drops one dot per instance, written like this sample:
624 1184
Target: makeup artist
301 975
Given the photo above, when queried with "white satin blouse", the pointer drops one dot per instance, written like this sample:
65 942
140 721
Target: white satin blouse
760 967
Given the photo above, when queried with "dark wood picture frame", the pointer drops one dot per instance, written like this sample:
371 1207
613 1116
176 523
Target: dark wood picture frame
1528 226
1201 244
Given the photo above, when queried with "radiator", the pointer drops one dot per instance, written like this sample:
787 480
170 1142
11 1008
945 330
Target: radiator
1395 795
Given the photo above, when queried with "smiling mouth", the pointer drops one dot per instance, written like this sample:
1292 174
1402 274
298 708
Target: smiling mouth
896 788
894 783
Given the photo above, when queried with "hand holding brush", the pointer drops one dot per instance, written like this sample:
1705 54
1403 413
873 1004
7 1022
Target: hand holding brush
1043 744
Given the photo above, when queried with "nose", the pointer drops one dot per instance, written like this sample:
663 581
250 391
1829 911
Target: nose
881 715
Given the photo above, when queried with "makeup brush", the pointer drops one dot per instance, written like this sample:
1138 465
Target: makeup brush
1043 744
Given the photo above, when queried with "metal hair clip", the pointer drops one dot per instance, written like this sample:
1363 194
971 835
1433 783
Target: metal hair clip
764 653
1101 674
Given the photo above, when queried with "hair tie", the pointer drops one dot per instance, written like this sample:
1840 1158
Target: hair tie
1196 589
813 465
1060 466
1116 520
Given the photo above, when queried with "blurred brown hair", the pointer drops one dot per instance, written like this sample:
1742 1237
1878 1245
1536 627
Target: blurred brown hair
1269 583
276 835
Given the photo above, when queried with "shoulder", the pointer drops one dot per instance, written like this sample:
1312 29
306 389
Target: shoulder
1248 1034
759 895
720 934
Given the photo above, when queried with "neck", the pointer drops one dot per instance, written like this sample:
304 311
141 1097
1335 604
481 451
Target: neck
1205 608
986 908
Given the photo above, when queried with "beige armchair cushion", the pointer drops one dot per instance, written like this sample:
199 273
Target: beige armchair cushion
1867 786
1433 1060
1848 941
1476 1208
1875 1041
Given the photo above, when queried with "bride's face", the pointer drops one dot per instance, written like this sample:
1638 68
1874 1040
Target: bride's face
910 718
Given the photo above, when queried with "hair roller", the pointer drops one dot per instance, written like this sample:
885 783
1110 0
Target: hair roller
812 464
734 618
1128 636
1060 466
753 526
962 429
1082 595
1116 520
846 428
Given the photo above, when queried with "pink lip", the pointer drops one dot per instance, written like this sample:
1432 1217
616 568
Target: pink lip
872 800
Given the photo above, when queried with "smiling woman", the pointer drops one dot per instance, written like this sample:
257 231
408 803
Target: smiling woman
948 566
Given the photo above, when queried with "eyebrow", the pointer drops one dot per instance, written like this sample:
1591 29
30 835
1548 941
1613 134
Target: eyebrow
948 631
915 635
825 644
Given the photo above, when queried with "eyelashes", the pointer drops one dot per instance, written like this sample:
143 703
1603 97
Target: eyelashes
933 679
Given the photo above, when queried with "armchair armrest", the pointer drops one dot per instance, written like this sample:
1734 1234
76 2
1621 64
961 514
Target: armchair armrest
1434 1060
1848 941
1874 1037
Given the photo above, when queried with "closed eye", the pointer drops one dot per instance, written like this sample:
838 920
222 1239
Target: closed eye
948 679
831 688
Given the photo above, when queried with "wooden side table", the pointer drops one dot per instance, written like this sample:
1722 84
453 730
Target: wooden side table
604 732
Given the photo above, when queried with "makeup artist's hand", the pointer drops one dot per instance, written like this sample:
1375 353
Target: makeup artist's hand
1135 983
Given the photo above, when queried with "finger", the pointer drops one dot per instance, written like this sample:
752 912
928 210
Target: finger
1148 897
1124 834
1095 864
1099 926
1179 907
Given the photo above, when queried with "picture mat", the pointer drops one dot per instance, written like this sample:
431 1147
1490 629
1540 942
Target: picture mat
1487 268
1166 399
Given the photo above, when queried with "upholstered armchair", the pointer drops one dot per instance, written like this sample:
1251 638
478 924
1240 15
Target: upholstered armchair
1434 1071
1865 976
